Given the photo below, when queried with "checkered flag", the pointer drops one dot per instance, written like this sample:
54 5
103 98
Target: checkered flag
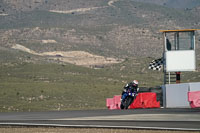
156 64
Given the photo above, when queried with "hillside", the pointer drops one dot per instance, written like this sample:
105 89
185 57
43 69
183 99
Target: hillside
72 54
180 4
122 28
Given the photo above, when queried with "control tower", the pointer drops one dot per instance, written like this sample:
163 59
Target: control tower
178 53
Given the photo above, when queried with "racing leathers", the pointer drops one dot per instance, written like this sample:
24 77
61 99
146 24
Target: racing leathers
129 88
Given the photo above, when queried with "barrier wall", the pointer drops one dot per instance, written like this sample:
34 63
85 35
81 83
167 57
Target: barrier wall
194 86
176 95
194 99
143 100
113 103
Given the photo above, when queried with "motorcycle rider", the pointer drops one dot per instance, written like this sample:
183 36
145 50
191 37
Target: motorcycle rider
131 87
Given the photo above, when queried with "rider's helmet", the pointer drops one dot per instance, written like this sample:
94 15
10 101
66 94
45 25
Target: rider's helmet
135 83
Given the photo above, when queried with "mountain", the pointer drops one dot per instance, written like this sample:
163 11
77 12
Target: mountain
110 28
180 4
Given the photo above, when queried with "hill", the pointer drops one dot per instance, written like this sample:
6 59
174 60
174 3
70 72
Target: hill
181 4
126 26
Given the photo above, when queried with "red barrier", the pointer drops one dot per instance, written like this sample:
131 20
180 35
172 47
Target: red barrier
194 99
145 100
110 103
117 101
113 103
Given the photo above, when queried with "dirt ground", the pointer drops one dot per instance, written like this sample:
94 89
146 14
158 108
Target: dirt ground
80 58
81 130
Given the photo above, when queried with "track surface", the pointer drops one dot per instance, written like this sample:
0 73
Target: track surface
171 119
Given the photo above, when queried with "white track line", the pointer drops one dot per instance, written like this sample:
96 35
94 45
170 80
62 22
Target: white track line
100 126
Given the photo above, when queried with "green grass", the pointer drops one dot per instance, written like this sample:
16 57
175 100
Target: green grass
51 86
45 86
48 86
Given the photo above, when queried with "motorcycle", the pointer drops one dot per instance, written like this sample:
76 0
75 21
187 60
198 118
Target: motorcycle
129 97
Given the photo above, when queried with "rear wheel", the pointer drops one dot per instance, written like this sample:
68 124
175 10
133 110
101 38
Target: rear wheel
128 102
122 105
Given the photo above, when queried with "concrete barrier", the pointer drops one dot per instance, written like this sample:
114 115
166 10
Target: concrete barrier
176 95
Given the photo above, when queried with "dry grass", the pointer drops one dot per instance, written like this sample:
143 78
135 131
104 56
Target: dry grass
82 130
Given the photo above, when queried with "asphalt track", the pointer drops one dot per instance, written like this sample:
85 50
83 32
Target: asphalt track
166 119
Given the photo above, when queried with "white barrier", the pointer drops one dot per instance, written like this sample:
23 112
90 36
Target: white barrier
176 95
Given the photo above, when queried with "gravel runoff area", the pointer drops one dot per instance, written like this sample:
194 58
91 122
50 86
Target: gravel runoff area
81 130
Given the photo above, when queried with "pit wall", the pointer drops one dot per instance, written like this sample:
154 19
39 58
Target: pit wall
176 95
